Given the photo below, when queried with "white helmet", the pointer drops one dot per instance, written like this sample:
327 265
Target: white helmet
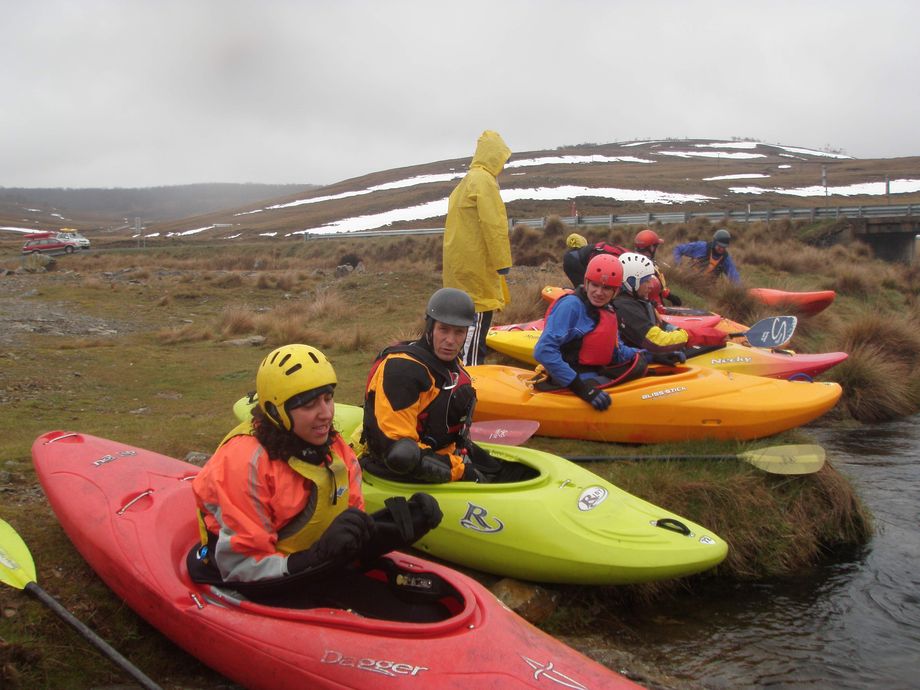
635 268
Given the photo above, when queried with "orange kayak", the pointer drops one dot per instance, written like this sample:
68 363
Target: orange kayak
671 404
805 303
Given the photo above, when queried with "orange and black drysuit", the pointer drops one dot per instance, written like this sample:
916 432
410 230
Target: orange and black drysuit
269 524
413 394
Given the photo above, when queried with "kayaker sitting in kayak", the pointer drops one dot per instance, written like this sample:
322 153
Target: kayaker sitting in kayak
580 348
710 257
280 507
419 404
639 325
646 243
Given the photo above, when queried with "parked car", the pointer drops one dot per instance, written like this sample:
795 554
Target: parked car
71 234
54 243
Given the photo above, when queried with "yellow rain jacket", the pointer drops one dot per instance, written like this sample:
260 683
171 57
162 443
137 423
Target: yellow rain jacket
476 242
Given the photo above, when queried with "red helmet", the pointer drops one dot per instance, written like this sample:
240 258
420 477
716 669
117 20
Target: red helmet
647 238
605 269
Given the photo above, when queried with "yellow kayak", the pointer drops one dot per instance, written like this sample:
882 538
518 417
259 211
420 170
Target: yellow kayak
754 361
670 404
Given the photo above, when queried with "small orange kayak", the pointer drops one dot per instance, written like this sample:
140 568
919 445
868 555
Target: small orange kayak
805 303
671 404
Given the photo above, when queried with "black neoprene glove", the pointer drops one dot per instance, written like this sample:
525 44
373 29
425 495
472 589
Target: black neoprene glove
433 468
405 457
595 397
341 542
472 474
674 299
427 506
669 358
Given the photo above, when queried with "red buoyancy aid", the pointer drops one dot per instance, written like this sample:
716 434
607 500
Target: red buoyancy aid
598 346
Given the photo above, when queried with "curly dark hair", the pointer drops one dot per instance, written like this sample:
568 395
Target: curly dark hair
281 444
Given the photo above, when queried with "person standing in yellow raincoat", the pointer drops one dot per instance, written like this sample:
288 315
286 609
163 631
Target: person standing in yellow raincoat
477 248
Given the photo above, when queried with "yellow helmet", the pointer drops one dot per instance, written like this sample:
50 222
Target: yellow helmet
291 376
575 241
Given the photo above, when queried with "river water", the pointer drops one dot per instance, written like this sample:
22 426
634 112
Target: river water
854 623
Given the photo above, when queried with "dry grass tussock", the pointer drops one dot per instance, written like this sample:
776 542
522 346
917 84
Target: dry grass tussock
788 256
236 321
287 281
188 333
876 388
526 303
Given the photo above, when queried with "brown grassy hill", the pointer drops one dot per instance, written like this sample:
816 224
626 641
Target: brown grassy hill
787 168
667 173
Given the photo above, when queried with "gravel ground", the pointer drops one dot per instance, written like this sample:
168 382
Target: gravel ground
23 312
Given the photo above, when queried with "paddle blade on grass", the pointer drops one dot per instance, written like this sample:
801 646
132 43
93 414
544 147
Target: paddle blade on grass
788 459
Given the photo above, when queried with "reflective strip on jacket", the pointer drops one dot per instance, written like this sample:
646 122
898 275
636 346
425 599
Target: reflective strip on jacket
476 240
263 509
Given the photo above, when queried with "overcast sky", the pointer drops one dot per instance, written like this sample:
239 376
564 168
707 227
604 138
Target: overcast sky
134 93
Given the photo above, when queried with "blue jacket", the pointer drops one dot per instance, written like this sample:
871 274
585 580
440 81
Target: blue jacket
699 252
568 321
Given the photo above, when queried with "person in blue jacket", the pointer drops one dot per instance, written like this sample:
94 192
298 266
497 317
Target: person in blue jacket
580 348
710 257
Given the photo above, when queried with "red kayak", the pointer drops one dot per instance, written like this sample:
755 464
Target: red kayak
805 303
131 514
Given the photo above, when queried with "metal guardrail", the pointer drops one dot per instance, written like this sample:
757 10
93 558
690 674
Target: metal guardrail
818 213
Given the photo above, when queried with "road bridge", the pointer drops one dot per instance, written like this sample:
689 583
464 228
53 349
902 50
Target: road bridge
891 239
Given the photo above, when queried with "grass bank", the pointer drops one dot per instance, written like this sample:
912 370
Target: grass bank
149 347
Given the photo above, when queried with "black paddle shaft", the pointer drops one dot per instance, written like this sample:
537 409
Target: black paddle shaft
94 639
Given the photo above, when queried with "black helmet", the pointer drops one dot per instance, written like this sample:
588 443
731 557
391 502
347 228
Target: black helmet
721 237
451 306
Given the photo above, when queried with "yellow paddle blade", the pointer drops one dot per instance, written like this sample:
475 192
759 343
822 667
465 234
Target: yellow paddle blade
789 459
16 566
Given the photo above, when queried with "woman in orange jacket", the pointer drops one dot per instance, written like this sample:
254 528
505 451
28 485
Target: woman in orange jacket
280 506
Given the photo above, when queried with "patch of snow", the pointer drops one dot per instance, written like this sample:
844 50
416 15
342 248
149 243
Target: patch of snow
740 176
648 196
902 186
434 209
730 145
810 152
572 159
710 154
195 231
397 184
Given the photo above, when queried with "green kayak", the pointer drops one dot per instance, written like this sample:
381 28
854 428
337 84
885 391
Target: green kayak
565 525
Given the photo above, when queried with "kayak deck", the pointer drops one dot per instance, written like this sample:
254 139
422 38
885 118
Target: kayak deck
673 404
